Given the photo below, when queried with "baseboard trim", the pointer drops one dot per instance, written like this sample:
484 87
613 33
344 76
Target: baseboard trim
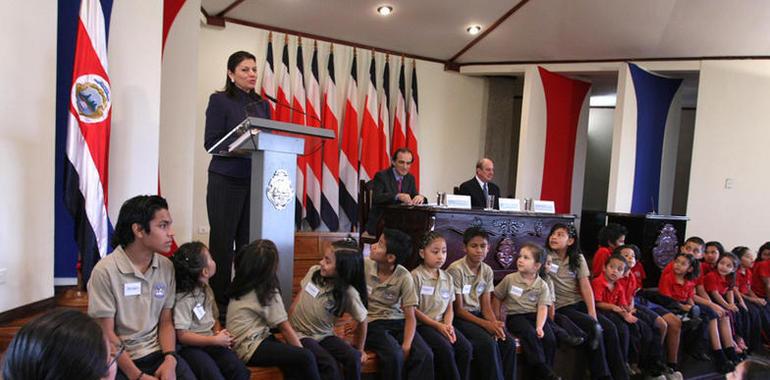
27 310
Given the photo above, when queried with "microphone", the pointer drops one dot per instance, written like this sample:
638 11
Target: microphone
277 102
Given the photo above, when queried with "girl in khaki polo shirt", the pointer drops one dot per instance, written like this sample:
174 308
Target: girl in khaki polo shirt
256 307
333 287
524 296
195 317
452 352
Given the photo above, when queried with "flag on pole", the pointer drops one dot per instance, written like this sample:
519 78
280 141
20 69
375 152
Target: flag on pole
399 121
383 122
412 121
88 137
282 109
370 137
349 152
298 117
331 159
268 78
314 160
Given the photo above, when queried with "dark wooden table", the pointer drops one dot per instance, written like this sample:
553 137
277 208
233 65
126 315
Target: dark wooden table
508 231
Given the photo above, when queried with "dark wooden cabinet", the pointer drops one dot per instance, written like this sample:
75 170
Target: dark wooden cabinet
508 231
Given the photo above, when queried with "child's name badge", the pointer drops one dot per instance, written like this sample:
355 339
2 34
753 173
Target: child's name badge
554 268
467 289
427 290
517 291
199 311
311 289
132 289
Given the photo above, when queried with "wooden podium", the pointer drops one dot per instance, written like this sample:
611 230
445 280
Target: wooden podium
273 146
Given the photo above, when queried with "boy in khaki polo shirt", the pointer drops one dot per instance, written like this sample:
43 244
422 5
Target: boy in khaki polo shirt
131 292
392 299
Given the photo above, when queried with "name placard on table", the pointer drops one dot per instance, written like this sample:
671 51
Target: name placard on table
458 201
510 204
546 207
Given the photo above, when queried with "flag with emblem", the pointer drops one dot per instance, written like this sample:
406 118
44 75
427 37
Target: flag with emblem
88 136
331 159
370 137
349 152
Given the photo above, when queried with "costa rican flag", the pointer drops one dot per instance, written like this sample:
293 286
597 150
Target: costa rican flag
331 160
349 152
370 139
412 118
298 101
383 121
88 135
399 122
313 172
283 109
268 78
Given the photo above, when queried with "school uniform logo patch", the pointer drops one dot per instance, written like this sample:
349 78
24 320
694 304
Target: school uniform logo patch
480 287
159 290
533 296
445 294
390 296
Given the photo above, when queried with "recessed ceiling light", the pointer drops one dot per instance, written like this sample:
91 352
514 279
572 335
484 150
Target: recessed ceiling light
384 10
474 29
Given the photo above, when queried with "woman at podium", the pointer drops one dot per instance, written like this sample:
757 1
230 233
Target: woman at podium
228 189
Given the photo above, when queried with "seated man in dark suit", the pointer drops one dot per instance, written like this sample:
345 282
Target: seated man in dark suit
481 185
393 185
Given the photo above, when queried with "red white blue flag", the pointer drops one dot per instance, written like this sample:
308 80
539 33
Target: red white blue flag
88 135
349 153
331 160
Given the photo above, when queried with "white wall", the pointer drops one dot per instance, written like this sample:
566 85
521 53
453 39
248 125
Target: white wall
27 108
452 114
731 141
134 68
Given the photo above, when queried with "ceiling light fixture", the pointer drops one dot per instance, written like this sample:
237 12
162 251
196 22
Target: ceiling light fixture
474 29
384 10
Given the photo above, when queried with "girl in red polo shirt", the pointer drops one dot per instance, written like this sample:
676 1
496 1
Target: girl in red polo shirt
719 285
610 237
760 280
679 285
758 311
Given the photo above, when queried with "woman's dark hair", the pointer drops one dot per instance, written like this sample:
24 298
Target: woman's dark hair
141 210
739 251
189 262
472 232
764 247
255 267
349 265
232 63
573 251
694 264
736 264
611 233
427 239
619 251
539 254
720 248
398 244
62 344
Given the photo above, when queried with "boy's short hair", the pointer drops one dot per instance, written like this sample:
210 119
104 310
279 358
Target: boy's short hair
696 240
141 210
619 249
616 256
398 244
472 232
694 264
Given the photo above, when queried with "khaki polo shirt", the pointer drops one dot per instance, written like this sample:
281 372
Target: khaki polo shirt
249 322
388 299
434 294
469 285
565 282
520 298
195 311
312 317
134 300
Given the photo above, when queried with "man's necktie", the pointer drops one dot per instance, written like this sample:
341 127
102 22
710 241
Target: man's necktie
399 181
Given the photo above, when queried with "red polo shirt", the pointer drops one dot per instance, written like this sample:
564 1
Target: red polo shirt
714 282
743 280
670 288
638 271
603 293
600 258
760 272
630 284
669 269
